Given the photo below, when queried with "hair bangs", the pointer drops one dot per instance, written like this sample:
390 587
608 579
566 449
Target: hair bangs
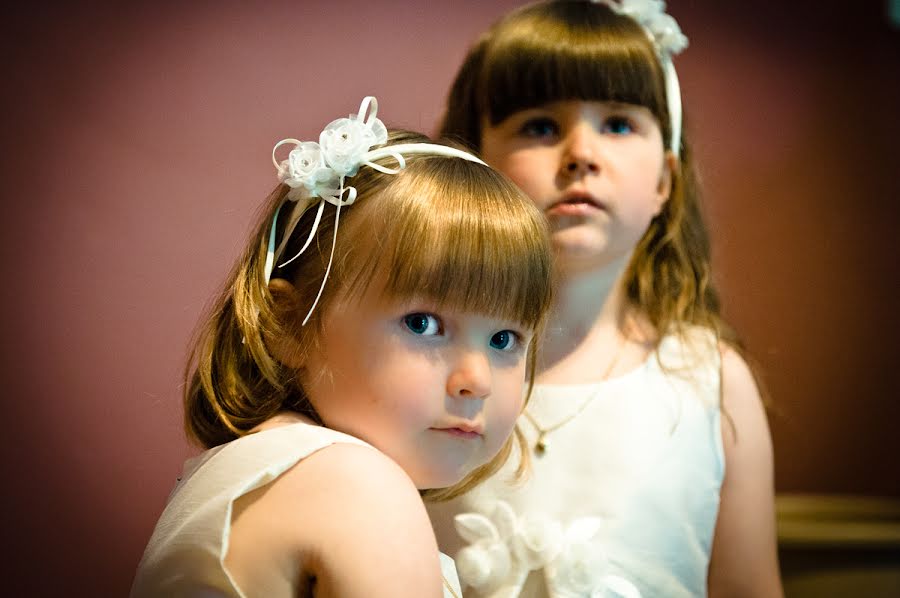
458 235
481 267
539 58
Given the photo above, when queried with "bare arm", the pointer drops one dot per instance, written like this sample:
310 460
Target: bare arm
744 555
346 521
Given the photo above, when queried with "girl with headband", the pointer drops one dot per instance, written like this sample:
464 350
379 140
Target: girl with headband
654 459
370 348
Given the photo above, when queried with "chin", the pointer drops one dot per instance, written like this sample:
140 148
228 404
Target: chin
440 482
443 478
587 257
579 248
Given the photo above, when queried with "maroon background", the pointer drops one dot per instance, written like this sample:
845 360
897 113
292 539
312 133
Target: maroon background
136 151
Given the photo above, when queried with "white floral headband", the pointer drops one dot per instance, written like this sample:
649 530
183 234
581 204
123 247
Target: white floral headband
666 35
315 172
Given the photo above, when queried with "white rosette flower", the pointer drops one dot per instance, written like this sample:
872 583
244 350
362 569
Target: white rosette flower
581 565
651 14
639 9
537 541
484 564
667 33
503 548
580 570
345 142
305 167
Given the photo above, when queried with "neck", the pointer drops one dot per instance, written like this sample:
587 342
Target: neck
589 307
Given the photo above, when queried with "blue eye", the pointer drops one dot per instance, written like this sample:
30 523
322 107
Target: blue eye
540 127
617 125
422 324
505 340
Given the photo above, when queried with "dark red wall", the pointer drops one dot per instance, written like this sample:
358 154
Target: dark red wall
136 149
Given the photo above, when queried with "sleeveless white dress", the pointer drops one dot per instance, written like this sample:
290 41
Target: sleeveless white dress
186 553
622 503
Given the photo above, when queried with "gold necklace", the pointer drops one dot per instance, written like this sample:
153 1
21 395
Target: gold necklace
541 445
449 587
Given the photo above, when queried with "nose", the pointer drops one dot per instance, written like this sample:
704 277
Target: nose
470 376
580 151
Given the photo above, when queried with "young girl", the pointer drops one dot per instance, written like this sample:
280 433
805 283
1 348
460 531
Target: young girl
387 355
654 460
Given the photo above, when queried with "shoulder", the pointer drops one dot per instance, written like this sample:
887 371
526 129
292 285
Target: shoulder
349 511
344 476
694 355
350 468
744 413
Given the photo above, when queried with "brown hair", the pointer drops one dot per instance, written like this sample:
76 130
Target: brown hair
447 230
581 50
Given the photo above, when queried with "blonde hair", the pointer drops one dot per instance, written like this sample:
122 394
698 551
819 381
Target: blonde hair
444 229
581 50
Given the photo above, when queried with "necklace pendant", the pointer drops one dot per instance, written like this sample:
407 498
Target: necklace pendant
540 447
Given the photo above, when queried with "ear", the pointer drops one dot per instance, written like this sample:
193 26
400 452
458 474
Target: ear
664 188
285 348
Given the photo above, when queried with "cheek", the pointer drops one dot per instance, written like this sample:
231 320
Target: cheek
510 400
648 170
526 170
402 382
642 193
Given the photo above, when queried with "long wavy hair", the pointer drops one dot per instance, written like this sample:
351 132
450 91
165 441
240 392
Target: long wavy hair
580 50
444 229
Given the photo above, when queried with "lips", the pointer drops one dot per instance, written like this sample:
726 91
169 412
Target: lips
575 203
462 430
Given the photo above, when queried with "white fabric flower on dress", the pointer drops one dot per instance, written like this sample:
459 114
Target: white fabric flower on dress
583 569
504 548
581 565
487 563
484 565
537 541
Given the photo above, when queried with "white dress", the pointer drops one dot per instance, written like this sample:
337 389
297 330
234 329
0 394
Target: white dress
622 503
186 553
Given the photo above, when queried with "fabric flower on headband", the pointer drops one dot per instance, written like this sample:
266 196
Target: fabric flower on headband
305 167
651 14
317 171
319 167
345 141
